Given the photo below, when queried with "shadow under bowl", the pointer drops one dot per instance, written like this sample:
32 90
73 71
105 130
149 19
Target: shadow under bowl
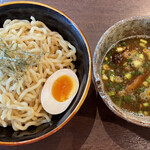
56 21
133 26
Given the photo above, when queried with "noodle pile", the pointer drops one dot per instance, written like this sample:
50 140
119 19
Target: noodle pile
20 105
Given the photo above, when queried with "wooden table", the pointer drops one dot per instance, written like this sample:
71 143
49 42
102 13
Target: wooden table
95 127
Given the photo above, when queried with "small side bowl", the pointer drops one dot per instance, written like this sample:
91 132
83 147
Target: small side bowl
123 29
56 21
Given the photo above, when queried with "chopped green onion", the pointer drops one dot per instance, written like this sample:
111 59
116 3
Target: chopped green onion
133 72
107 62
123 43
136 54
145 113
129 60
104 77
143 41
145 104
127 98
140 112
148 79
123 109
141 89
147 64
109 84
145 83
112 65
103 71
136 72
142 45
114 47
118 87
112 78
135 42
110 73
141 56
120 49
123 72
111 93
106 58
128 75
118 103
125 64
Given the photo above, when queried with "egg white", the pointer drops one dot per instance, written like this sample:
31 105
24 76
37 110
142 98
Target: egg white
49 103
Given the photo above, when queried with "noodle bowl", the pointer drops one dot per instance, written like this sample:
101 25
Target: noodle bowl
20 105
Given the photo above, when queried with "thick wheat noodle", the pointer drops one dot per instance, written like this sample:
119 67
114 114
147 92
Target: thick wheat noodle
20 105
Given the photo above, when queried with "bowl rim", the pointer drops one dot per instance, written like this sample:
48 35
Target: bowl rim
87 86
113 107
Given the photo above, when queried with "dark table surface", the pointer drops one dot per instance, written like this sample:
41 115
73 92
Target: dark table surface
95 127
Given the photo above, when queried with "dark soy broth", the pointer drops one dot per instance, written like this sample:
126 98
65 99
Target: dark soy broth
126 74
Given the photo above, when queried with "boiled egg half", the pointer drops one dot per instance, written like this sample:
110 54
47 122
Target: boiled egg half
59 91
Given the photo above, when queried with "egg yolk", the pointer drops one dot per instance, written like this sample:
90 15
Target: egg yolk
63 88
